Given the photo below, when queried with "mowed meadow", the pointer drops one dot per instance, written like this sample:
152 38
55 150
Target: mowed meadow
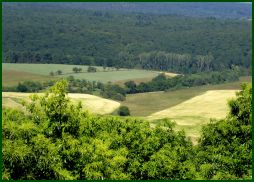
14 73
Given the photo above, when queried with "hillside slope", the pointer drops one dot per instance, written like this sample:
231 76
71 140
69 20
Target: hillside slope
40 34
92 103
193 113
233 10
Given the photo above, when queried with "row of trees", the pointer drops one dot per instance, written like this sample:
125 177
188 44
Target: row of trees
58 140
89 69
75 70
116 92
106 90
163 83
58 72
182 63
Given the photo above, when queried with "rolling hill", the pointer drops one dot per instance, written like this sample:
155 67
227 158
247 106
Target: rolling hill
193 113
224 10
92 103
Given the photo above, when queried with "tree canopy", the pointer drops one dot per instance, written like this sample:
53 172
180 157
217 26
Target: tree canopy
47 34
55 139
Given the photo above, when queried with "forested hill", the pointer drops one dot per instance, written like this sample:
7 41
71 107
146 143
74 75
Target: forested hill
224 10
51 33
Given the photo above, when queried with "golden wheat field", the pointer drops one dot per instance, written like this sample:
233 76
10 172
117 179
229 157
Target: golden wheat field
191 114
91 103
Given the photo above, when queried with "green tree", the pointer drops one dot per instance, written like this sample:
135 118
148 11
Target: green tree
79 69
75 69
91 69
225 146
131 86
54 139
123 111
59 72
22 88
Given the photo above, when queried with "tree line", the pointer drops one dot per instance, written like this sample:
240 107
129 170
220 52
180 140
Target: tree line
117 92
55 139
181 63
163 83
106 90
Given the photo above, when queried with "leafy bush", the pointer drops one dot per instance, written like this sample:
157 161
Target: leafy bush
29 86
123 111
91 69
225 147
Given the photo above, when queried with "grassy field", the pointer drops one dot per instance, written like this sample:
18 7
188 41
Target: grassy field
13 77
190 115
92 103
144 104
190 108
42 71
147 79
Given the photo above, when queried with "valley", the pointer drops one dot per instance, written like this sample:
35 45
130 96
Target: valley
127 91
190 108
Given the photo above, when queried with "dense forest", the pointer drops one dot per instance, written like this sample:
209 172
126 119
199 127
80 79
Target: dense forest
223 10
47 34
54 139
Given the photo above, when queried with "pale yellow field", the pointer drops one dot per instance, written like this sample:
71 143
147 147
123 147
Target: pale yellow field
169 74
92 103
95 104
190 115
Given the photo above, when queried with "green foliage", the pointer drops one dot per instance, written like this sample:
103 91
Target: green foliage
54 139
61 116
123 111
51 73
118 39
59 72
225 149
76 69
29 86
110 91
91 69
162 83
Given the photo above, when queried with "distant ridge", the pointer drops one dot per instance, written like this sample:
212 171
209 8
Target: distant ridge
225 10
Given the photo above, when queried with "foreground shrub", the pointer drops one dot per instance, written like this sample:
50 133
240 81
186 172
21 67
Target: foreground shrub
55 139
